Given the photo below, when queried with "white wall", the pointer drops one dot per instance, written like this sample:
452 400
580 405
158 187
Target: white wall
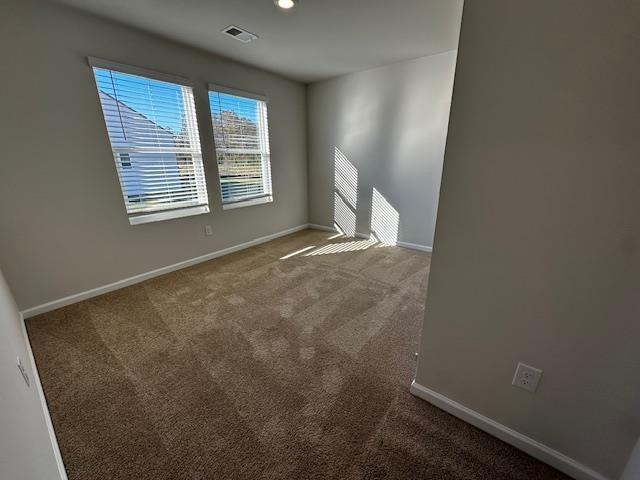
25 450
64 226
632 471
391 124
536 255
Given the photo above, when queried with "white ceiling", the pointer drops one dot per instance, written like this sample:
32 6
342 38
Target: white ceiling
316 40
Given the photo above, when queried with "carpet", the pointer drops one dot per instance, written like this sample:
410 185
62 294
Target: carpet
289 360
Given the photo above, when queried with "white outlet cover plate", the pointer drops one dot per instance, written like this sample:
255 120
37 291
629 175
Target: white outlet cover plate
527 377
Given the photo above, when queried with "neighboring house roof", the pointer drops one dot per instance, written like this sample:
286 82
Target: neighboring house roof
129 128
125 125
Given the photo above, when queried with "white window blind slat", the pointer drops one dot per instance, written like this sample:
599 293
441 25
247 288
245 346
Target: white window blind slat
241 135
153 131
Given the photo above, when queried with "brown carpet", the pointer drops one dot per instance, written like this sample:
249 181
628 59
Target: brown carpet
252 366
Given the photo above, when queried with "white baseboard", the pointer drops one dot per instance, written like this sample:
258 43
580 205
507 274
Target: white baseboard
411 246
416 246
94 292
43 403
534 448
324 228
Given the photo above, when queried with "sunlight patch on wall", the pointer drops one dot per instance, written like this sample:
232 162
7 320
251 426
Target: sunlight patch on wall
385 220
346 178
343 217
345 194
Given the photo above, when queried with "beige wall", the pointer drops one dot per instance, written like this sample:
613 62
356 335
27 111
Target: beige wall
391 124
632 470
25 450
537 253
64 228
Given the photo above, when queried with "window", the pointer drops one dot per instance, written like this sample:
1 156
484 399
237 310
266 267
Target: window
152 126
125 160
241 134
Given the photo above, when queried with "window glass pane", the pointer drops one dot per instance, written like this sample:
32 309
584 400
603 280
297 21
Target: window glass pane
153 131
240 130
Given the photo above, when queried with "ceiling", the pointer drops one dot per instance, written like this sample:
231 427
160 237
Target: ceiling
317 39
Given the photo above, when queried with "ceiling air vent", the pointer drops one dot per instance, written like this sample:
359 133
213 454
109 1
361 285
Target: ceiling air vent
239 34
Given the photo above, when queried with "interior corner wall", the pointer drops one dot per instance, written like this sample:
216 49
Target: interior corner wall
64 226
632 470
391 124
537 246
26 452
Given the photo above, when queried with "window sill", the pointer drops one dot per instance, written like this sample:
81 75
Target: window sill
248 203
168 215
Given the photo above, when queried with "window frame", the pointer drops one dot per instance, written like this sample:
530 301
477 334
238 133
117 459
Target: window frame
140 71
257 200
169 213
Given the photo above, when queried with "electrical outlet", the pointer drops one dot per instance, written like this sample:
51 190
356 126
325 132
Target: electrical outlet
208 230
24 373
527 377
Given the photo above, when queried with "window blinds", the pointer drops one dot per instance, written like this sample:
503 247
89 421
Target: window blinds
241 135
153 131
